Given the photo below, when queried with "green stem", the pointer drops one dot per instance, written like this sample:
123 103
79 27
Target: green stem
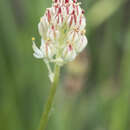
45 115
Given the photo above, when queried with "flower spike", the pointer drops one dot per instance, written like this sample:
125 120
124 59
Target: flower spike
62 31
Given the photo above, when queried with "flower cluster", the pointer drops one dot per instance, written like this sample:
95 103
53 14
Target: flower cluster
62 30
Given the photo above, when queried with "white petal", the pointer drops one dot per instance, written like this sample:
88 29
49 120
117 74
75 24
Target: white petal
37 51
69 55
76 37
42 26
85 42
81 44
79 10
83 24
57 34
50 34
42 47
40 29
73 36
49 50
37 56
49 53
73 55
70 35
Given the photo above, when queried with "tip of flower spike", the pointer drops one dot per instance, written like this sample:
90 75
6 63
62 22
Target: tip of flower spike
33 38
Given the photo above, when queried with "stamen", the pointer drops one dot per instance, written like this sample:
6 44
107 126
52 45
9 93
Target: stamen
48 39
76 29
33 38
83 32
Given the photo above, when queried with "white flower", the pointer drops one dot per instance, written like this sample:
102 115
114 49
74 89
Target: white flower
62 31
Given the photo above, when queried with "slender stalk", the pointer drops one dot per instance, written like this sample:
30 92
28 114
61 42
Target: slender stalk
45 115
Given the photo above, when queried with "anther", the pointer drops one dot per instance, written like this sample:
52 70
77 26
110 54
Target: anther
33 38
83 32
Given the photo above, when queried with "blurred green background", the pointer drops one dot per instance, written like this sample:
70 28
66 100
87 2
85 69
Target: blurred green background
94 91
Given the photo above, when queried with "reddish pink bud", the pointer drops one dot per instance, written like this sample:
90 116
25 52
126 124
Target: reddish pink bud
67 9
52 27
59 11
83 11
66 1
80 21
56 1
75 1
73 12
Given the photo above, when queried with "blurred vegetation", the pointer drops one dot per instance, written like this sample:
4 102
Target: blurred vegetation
94 91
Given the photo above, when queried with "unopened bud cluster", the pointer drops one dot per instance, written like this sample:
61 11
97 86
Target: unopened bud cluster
62 30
